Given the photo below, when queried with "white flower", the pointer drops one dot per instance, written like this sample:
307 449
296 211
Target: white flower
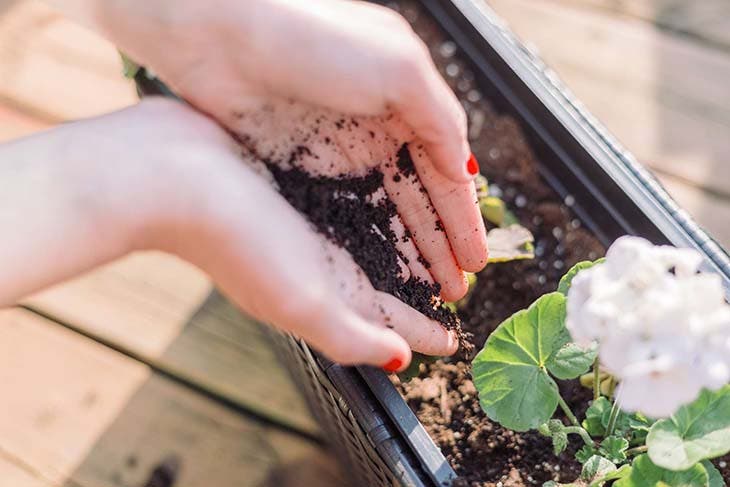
663 329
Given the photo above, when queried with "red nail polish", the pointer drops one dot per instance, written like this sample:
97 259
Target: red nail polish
393 365
472 165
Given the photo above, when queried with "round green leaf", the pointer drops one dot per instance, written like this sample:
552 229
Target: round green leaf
697 431
510 372
593 423
567 279
614 448
572 360
714 475
597 467
645 474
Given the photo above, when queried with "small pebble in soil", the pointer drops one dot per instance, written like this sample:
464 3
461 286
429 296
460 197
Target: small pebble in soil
452 70
447 49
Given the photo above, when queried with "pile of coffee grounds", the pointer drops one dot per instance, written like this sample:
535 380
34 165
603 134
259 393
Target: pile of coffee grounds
344 210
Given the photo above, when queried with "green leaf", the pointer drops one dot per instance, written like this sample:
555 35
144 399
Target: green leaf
716 479
510 243
567 279
414 368
623 471
595 473
129 67
572 360
597 467
697 431
560 442
510 373
585 453
593 423
492 209
614 448
645 474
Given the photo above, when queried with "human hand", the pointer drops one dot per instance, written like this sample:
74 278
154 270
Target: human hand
187 191
227 57
429 220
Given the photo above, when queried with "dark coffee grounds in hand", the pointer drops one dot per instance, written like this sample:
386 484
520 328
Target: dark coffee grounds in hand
343 209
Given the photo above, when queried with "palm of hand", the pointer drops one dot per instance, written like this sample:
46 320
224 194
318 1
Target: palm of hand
437 226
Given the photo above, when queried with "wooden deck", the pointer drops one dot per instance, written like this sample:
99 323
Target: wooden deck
142 365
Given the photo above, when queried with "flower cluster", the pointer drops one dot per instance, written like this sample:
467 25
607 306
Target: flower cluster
663 329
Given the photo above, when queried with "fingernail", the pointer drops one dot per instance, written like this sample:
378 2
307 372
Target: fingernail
472 165
393 365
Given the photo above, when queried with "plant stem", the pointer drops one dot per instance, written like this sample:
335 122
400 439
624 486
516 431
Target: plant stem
567 411
596 380
580 431
612 418
637 450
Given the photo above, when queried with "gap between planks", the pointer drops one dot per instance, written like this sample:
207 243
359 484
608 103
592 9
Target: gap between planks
164 311
77 414
255 413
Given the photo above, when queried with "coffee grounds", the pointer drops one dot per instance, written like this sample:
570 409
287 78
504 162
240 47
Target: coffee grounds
342 209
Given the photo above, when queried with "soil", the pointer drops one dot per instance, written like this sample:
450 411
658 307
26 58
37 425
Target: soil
362 226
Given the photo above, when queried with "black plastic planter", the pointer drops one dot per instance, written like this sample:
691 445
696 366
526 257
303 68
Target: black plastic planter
378 438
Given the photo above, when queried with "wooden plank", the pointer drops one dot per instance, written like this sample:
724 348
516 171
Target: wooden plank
56 69
78 413
706 21
664 97
163 310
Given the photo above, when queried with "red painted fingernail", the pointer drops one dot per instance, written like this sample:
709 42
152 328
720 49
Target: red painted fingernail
393 365
472 165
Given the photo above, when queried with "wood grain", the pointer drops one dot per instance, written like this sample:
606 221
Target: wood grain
78 413
663 96
164 311
56 70
706 21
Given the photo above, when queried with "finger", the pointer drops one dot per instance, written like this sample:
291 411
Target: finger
422 334
458 208
421 219
428 106
349 339
409 255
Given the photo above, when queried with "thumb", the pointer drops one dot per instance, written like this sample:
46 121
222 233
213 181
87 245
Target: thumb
349 339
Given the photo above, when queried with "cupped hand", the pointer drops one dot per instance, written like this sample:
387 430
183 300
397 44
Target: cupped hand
438 225
226 56
212 208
